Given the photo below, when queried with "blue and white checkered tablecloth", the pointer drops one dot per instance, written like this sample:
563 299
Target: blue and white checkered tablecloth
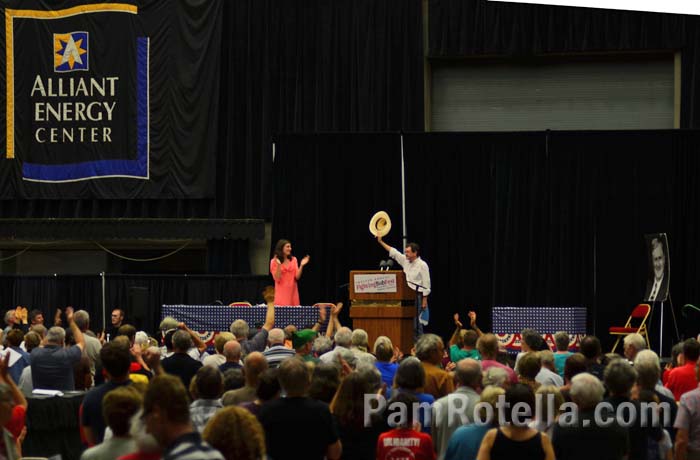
508 321
546 320
216 318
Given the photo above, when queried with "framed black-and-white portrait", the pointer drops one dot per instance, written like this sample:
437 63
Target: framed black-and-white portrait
659 271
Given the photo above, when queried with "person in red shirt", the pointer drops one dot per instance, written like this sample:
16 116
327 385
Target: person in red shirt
406 441
685 378
13 399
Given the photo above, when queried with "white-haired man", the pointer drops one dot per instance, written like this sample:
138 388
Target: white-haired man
343 340
258 342
633 344
359 345
586 439
277 352
444 421
92 344
648 370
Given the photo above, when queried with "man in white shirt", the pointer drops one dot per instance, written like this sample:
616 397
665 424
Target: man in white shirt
417 276
657 287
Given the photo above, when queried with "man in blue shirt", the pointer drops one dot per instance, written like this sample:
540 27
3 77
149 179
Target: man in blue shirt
116 360
52 364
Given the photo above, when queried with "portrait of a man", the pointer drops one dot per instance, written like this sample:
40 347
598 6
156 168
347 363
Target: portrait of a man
659 268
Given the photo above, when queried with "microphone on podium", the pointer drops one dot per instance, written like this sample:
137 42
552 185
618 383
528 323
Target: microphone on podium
389 264
382 265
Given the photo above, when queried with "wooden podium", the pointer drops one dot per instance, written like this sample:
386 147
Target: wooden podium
381 303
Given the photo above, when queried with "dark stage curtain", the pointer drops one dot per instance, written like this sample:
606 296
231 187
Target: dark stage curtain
327 187
463 28
287 66
501 221
310 66
541 218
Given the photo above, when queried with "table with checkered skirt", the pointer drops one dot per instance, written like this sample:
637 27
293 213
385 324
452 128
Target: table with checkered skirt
508 321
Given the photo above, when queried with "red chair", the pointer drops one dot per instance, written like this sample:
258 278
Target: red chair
639 315
240 304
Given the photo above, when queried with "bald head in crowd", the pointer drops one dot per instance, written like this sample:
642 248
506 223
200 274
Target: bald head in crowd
468 373
232 351
275 337
488 346
255 364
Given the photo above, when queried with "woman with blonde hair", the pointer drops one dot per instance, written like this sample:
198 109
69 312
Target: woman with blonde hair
386 359
236 433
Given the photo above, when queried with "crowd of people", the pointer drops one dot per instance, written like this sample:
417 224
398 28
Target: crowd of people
273 393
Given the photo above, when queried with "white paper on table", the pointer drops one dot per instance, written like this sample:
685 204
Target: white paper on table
39 391
14 356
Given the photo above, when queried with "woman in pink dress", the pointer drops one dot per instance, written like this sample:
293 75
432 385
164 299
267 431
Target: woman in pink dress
286 272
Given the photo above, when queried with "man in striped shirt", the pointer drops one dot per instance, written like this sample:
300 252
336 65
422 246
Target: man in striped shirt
277 352
166 413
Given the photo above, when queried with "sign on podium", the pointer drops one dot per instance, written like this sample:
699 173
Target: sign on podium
382 303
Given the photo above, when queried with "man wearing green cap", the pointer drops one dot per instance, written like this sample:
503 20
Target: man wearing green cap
303 341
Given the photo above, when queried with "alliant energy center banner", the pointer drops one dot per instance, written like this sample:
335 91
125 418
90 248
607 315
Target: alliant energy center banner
110 100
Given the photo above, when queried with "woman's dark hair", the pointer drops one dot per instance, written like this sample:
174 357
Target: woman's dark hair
348 403
574 364
324 382
675 351
519 393
384 353
534 340
279 250
590 347
410 375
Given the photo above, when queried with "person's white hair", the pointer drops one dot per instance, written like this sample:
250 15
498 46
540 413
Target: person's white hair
141 338
168 323
275 336
343 337
322 344
382 339
635 340
8 315
648 368
349 357
360 339
586 390
56 336
82 319
240 329
426 345
495 376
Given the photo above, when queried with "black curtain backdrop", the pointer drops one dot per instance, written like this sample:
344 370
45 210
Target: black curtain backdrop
541 218
311 66
298 65
140 295
327 186
463 28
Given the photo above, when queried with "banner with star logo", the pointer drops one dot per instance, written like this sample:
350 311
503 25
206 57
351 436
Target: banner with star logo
110 100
